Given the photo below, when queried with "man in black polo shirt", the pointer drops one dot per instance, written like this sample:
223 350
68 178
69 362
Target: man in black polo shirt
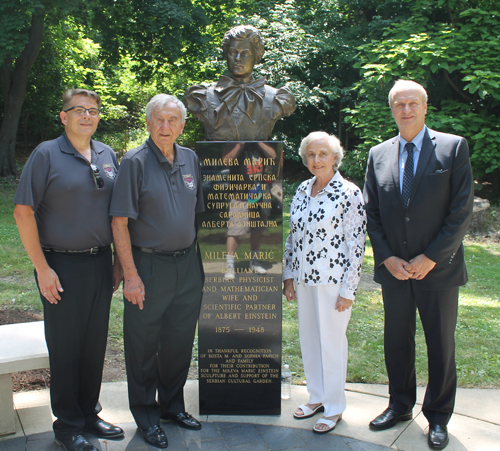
62 206
155 200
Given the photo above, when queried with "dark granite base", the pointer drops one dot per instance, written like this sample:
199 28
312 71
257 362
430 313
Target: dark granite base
239 331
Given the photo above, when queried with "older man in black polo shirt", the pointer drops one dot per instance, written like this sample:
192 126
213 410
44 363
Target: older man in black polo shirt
62 213
156 197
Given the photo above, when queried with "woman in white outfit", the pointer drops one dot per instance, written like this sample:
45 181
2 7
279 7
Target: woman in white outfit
323 258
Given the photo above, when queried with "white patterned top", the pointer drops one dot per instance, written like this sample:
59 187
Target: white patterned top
327 236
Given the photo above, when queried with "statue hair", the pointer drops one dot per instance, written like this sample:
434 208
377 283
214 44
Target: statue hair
240 33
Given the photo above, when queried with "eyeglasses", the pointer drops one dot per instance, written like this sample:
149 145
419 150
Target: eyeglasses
98 180
80 110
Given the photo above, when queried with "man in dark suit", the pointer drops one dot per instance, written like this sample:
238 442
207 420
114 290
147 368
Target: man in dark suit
419 196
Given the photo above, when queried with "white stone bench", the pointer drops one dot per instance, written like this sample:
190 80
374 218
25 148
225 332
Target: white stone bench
22 348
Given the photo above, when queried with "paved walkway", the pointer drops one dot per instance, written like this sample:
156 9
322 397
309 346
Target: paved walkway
475 426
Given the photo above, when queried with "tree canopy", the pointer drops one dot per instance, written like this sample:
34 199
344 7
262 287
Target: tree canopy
339 58
452 50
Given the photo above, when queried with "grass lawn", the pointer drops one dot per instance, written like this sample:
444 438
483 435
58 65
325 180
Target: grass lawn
478 328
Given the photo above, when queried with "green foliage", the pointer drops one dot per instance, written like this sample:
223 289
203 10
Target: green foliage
15 20
339 58
67 59
127 51
455 56
482 133
155 32
311 47
373 128
288 48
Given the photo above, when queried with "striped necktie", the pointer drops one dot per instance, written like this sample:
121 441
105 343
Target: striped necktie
408 174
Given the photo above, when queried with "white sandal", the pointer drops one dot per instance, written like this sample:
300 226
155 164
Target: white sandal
308 412
330 423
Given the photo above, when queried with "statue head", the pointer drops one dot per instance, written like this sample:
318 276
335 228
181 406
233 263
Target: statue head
242 47
238 107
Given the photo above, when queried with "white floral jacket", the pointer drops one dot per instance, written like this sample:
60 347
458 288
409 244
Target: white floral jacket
327 236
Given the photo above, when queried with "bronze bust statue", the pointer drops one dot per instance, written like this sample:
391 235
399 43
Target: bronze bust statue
238 107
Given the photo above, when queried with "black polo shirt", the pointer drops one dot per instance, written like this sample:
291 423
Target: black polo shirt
160 199
71 213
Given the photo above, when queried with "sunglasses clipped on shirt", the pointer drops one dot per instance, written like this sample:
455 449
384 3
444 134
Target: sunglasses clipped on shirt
98 180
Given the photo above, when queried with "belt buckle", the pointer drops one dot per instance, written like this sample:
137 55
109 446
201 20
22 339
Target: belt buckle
93 250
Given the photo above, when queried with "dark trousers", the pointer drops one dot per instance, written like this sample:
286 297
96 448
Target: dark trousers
76 330
438 313
159 339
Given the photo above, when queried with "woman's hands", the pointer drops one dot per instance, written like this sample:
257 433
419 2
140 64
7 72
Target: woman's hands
289 290
343 304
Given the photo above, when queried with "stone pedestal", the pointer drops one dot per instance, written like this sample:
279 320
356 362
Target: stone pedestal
240 322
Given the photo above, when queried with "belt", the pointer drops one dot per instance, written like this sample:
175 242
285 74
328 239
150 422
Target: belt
91 251
174 254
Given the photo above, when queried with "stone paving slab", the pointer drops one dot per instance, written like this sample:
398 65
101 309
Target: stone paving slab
213 437
466 434
475 426
480 403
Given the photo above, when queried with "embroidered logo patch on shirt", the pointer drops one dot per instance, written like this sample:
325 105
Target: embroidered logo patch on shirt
109 170
189 181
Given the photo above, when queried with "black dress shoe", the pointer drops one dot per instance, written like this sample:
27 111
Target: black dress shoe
388 419
438 436
103 429
184 420
155 436
76 443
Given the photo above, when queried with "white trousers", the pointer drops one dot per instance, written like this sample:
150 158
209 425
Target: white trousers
323 343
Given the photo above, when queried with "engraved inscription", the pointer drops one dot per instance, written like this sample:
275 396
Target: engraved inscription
240 319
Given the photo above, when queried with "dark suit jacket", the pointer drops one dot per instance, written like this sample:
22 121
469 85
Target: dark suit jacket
438 212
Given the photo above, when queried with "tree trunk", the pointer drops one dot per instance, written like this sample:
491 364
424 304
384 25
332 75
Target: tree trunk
14 78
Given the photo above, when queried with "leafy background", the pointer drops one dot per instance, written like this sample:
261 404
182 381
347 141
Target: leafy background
339 57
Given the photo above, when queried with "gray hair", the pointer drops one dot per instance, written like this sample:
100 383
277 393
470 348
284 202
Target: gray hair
407 84
160 100
70 93
240 33
333 144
